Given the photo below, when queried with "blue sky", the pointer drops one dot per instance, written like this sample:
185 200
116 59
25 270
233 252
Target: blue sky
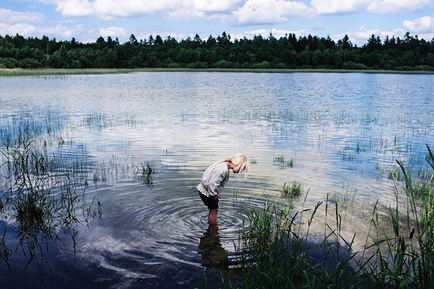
86 20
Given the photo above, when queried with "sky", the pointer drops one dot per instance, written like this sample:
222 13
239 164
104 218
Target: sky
86 20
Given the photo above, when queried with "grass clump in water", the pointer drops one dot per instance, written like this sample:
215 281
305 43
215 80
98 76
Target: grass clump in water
280 160
292 190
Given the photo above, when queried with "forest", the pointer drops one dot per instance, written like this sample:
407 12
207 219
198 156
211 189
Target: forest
289 52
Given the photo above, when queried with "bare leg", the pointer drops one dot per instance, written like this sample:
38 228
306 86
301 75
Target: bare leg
212 216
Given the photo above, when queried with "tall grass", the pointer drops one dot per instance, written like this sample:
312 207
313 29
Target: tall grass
276 253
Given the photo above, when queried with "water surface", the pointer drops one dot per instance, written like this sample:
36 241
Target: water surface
341 132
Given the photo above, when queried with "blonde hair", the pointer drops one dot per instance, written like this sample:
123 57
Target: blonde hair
240 160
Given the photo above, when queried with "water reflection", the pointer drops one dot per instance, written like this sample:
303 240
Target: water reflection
149 136
211 249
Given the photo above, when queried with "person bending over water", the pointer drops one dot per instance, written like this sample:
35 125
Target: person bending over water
215 178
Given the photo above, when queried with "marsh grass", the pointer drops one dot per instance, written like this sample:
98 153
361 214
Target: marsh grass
276 253
280 160
292 190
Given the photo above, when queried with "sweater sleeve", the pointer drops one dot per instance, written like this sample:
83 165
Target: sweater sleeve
217 182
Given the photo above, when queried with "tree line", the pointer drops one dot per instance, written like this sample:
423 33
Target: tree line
286 52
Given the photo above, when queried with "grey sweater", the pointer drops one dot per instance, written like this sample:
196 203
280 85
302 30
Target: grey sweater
213 180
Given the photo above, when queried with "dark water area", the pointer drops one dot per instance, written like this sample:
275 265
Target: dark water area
139 143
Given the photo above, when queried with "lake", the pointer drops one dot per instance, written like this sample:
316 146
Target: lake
141 142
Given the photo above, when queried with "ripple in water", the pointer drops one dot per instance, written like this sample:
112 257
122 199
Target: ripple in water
148 232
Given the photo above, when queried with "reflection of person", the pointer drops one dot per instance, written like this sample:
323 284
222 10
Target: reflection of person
214 179
212 250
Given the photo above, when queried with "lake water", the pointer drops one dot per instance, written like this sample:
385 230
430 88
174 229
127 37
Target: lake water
338 135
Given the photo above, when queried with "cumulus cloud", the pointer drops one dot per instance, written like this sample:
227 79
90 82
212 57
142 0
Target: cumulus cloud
9 16
236 12
420 25
107 9
185 14
240 12
112 8
339 6
269 11
335 7
215 5
361 36
119 32
398 6
58 31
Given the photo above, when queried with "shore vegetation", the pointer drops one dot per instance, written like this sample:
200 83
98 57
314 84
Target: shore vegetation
288 52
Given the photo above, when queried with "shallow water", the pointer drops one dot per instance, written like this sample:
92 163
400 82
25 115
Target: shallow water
343 133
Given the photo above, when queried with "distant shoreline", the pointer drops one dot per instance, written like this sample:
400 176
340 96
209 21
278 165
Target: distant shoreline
6 72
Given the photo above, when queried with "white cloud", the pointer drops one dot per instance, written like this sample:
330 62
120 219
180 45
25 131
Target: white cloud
269 11
58 31
112 8
326 7
240 12
361 36
420 25
9 16
215 5
108 9
234 12
398 6
185 14
119 32
339 6
74 7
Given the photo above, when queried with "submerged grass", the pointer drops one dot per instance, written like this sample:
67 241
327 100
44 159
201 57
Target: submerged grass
275 253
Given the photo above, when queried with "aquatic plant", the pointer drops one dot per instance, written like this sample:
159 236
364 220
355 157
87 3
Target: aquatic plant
292 190
145 171
395 174
280 160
